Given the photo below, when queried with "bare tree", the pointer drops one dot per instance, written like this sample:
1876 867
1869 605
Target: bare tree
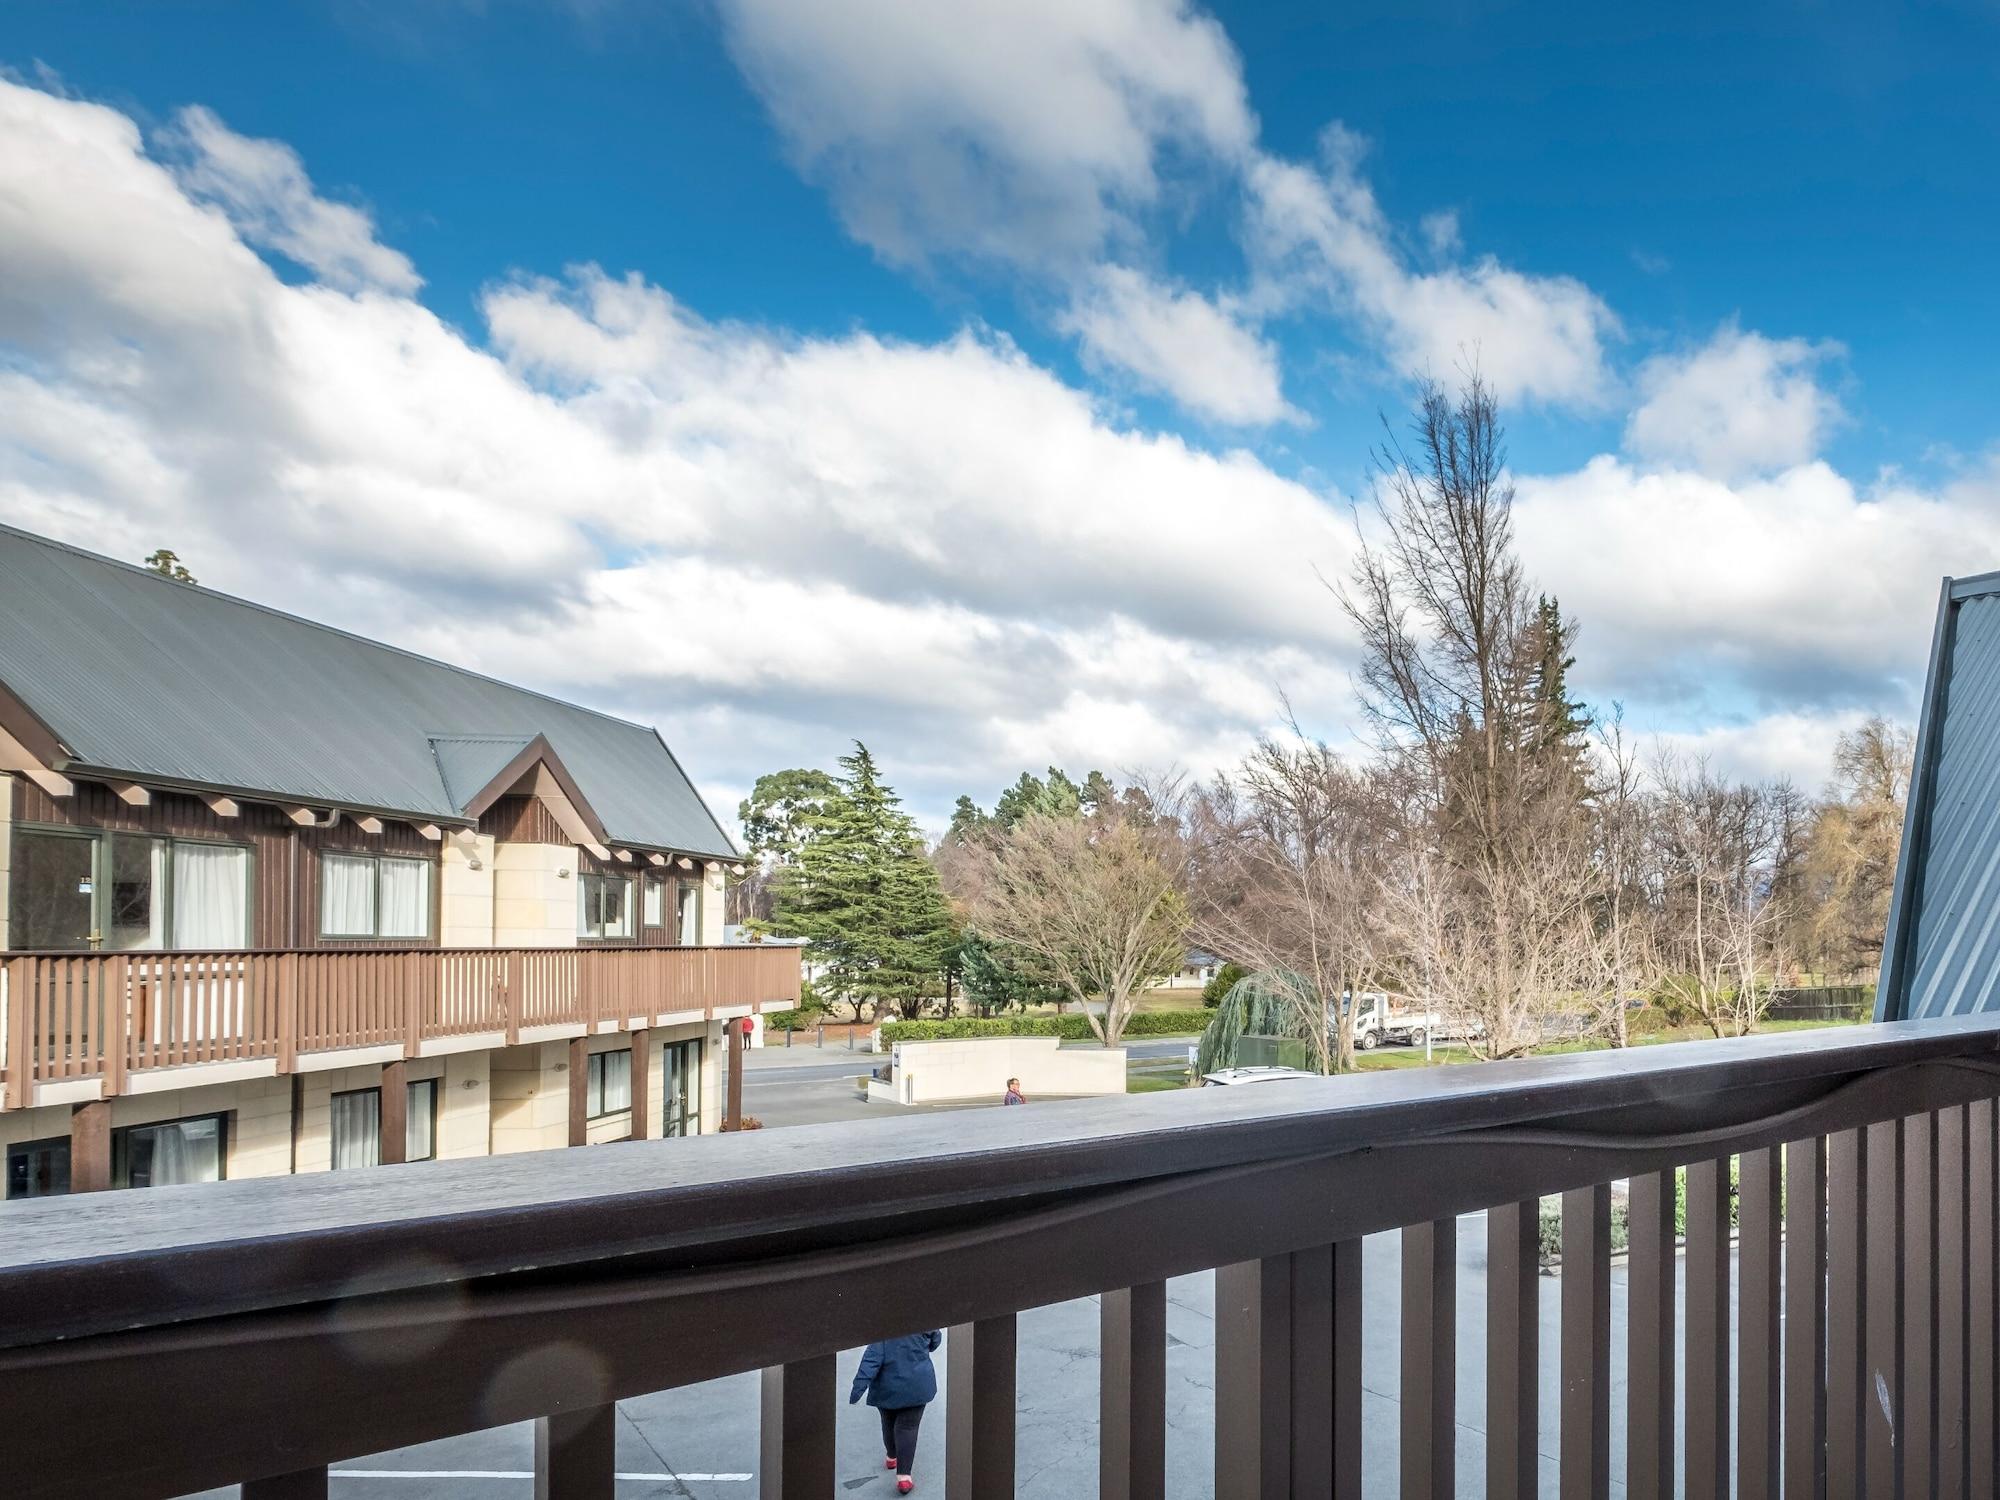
1719 919
1461 676
1848 864
1288 858
1096 901
1625 948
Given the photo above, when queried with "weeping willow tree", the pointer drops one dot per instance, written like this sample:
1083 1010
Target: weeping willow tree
1270 1003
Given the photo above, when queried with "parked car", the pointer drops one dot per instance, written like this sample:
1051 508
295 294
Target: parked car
1229 1077
1382 1019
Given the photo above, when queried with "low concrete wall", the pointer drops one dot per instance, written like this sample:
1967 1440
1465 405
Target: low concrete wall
978 1068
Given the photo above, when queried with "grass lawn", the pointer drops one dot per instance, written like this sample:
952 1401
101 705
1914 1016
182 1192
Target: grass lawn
1372 1062
1140 1083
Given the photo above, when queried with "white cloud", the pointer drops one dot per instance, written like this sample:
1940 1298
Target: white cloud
1740 404
1320 233
1797 747
263 187
763 543
1177 341
1027 131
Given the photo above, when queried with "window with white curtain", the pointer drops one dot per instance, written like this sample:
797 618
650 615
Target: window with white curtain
608 1084
356 1121
655 910
369 895
211 896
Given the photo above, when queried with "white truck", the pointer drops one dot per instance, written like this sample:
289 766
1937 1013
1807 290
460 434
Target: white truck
1385 1020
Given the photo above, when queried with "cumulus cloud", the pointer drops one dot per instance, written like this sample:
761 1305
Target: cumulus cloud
1178 342
1028 131
263 187
1740 404
1319 233
763 543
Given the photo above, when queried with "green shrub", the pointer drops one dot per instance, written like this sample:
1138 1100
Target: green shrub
1070 1028
1224 981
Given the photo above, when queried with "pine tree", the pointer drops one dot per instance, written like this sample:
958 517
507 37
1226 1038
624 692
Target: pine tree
968 822
998 978
864 896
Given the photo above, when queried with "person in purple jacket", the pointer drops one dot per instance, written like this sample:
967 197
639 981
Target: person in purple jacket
900 1381
1014 1094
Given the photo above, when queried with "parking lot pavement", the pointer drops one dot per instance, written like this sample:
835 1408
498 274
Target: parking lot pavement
700 1443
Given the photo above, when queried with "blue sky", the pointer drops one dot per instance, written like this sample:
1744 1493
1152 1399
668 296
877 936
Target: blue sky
1730 266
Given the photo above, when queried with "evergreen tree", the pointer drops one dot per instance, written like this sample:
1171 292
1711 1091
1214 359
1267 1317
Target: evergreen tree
862 893
997 978
1559 720
781 810
968 822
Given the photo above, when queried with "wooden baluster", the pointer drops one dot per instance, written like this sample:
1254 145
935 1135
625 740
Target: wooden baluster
20 1018
1759 1345
118 1018
1952 1302
1132 1393
1882 1337
1916 1422
1513 1349
576 1454
1982 1262
1649 1339
1706 1437
1586 1343
797 1430
1805 1437
1430 1352
1846 1313
979 1412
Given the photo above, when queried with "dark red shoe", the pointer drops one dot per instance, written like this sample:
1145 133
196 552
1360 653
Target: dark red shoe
905 1485
889 1462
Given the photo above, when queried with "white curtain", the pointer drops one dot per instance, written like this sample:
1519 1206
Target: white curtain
211 896
690 912
346 896
176 1152
406 898
357 1129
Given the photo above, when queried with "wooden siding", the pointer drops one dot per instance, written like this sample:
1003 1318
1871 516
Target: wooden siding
522 820
284 864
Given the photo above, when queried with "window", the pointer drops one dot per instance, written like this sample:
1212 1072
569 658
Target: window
355 1122
374 896
683 1089
171 1152
654 913
38 1169
126 892
607 1086
687 912
607 906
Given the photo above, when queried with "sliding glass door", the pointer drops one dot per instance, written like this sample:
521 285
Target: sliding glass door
52 891
682 1112
126 892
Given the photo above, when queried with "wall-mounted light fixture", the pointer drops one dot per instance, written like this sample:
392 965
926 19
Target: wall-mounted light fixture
563 873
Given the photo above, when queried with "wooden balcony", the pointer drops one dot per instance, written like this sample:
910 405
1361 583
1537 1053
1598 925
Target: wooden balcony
82 1025
157 1343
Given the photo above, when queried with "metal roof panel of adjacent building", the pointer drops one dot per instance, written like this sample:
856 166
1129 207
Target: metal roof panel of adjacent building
171 682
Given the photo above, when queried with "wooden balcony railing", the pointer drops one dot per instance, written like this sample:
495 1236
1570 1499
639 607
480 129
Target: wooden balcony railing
156 1343
103 1016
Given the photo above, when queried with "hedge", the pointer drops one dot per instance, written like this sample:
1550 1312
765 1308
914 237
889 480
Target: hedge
1069 1028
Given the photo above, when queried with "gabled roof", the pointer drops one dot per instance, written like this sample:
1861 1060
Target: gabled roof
140 677
1941 955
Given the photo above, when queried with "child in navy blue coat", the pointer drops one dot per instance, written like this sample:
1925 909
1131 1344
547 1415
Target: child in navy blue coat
899 1380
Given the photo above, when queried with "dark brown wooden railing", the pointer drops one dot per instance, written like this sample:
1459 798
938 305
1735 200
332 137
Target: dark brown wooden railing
156 1343
103 1016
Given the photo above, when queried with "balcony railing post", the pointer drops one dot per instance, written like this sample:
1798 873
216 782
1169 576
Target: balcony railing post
1706 1438
1760 1273
115 976
1513 1349
414 1007
1586 1343
1883 1330
20 1017
1916 1421
1847 1396
1430 1357
1805 1319
503 992
797 1431
288 1012
1649 1343
1982 1262
1253 1372
1952 1301
1132 1393
979 1410
576 1454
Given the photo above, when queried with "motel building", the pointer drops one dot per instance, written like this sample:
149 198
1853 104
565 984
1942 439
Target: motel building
277 899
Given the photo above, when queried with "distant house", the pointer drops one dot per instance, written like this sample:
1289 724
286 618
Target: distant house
1196 969
276 898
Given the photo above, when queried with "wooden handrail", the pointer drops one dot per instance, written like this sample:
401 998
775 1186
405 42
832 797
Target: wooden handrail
83 1016
667 1262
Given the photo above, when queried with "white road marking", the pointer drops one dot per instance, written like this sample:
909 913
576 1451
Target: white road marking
523 1474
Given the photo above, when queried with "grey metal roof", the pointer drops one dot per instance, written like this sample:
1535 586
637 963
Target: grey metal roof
168 682
1941 955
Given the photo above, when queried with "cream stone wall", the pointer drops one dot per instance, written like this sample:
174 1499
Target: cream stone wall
259 1110
315 1152
465 1098
712 1078
713 906
534 904
465 895
530 1089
